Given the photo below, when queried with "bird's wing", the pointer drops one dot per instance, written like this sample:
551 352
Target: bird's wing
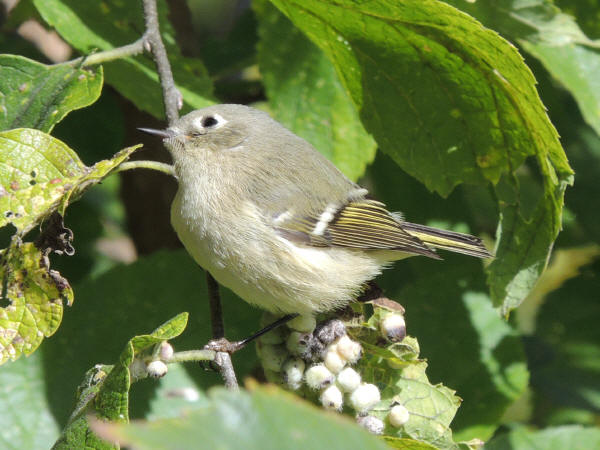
357 224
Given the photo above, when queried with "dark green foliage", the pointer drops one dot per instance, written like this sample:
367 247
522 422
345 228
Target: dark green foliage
468 132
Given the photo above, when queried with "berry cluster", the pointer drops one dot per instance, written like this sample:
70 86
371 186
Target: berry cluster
322 358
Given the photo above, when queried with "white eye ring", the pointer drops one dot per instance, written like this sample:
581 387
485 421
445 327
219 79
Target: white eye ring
210 121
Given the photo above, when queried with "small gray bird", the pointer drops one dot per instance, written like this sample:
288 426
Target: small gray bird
276 222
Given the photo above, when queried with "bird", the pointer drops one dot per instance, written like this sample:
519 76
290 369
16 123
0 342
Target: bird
273 220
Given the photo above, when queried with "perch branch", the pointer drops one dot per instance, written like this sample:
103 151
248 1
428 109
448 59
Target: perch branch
172 98
222 359
154 165
173 101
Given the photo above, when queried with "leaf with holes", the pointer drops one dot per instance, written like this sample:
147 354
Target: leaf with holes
36 295
400 375
40 174
34 95
555 39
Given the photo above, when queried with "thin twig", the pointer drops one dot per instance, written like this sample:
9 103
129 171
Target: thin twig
173 101
192 355
216 311
222 359
135 48
172 98
154 165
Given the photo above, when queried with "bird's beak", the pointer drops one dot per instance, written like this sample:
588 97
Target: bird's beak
162 133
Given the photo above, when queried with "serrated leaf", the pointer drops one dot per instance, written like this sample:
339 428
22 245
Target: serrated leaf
144 292
462 336
34 95
431 407
36 296
261 419
399 373
92 26
105 389
76 433
555 39
169 330
466 102
40 174
306 95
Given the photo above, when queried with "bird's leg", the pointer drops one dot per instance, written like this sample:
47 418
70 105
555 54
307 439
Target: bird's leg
223 345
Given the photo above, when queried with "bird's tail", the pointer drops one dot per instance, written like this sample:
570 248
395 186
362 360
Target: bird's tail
448 240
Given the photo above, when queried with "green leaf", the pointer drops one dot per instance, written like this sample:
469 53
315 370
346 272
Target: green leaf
466 101
92 26
401 378
567 347
573 437
26 421
36 296
459 332
463 338
261 419
34 95
407 444
145 292
39 174
459 90
77 433
105 390
555 39
306 95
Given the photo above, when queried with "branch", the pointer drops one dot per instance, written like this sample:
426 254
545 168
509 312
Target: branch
172 98
152 42
132 49
154 165
222 359
191 355
173 101
216 312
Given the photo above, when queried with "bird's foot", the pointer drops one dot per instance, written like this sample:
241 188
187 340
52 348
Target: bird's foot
224 345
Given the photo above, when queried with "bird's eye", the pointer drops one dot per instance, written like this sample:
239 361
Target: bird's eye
209 122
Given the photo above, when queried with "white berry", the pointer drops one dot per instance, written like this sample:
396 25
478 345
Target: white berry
293 372
348 349
365 397
304 324
333 361
157 369
398 416
348 379
319 376
393 327
166 351
332 398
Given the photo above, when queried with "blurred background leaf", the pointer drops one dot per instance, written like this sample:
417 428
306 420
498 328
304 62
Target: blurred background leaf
93 26
306 96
